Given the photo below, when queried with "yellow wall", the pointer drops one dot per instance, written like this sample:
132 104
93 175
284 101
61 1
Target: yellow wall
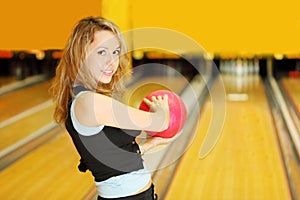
36 24
249 26
253 26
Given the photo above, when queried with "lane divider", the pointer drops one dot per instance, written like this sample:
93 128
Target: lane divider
22 83
287 148
287 117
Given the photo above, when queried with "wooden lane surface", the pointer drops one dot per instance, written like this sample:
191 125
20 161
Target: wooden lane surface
18 101
292 85
48 172
12 133
246 162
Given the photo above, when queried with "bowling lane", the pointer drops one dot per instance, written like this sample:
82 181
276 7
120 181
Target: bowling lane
24 112
19 101
48 172
14 132
292 86
246 162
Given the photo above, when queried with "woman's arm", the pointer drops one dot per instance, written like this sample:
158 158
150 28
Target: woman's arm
92 109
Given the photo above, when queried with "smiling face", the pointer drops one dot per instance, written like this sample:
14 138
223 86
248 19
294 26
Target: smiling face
103 56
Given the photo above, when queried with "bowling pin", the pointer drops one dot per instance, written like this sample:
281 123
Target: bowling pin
256 66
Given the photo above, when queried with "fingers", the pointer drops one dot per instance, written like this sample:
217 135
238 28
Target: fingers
166 97
147 102
156 100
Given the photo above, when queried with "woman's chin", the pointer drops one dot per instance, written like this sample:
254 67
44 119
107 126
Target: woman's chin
105 80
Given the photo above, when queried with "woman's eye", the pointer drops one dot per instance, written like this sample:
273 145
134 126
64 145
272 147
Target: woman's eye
102 52
116 52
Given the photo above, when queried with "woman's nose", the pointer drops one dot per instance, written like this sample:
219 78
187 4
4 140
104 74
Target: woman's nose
110 59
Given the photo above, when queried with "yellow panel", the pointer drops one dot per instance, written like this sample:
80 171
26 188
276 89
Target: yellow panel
227 26
268 26
34 24
117 11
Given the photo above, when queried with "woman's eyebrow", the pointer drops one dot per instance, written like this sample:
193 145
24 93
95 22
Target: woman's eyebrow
105 47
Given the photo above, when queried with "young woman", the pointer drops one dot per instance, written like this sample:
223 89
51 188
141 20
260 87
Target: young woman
103 129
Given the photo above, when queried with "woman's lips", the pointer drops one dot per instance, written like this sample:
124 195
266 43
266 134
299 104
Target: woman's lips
108 72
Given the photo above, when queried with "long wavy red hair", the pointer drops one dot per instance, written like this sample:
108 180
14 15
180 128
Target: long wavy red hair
71 69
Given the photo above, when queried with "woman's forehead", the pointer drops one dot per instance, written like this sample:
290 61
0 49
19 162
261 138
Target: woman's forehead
105 39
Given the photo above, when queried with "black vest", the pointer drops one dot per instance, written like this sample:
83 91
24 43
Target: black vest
110 152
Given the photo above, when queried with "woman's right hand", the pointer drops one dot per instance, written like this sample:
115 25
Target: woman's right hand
160 105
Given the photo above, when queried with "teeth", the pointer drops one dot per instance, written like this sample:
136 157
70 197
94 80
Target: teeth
108 71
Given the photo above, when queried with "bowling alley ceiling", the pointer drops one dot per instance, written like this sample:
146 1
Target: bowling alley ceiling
232 26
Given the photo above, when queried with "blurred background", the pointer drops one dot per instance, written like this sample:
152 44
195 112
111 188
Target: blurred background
251 54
